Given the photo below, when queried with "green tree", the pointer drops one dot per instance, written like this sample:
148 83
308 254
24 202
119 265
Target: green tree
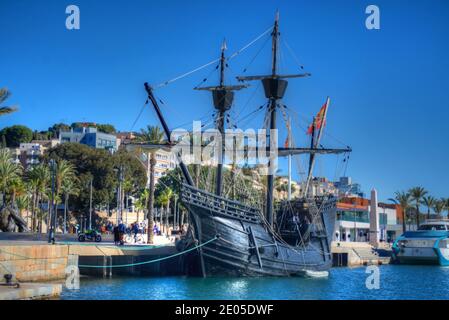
38 178
58 128
41 135
15 135
10 174
404 200
164 201
5 94
65 175
446 200
99 165
151 135
106 128
68 188
142 202
417 194
439 207
429 202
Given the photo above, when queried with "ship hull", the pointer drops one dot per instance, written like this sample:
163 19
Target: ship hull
247 248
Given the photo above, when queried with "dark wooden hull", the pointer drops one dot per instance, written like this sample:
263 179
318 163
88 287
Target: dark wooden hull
246 247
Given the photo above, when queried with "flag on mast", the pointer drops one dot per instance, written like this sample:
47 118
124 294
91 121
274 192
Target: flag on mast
320 120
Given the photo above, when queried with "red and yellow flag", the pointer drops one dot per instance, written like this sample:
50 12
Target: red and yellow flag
319 119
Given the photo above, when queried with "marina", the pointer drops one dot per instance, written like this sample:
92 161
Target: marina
212 159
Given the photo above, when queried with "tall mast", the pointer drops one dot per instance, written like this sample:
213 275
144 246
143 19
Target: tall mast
223 97
273 104
274 86
221 127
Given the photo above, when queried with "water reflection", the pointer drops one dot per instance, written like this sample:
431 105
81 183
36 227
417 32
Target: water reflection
396 282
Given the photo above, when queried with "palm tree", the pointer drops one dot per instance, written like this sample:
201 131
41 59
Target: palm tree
38 177
403 199
68 188
5 94
429 202
446 200
417 194
439 207
10 173
152 135
142 201
65 173
164 200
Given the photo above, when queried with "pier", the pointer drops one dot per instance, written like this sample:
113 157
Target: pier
353 254
35 264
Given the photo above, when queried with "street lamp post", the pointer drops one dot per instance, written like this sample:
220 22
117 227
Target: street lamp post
90 205
52 211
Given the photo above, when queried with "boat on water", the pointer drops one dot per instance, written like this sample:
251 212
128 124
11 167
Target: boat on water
427 245
278 238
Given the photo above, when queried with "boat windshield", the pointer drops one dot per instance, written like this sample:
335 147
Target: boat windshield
433 227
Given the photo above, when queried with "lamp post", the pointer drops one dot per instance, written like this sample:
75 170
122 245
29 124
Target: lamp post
90 204
52 211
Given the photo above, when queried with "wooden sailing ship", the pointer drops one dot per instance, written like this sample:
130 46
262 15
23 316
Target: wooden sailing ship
293 239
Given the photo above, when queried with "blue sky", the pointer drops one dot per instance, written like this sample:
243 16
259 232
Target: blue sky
389 88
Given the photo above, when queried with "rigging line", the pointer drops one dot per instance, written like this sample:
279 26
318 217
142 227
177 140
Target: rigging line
205 117
165 83
292 53
258 52
326 133
138 116
248 101
251 113
151 261
205 79
249 44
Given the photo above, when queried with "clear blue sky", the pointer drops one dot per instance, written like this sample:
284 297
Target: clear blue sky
389 87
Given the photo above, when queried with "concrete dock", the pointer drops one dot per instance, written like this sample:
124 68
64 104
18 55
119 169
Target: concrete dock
28 291
352 254
32 263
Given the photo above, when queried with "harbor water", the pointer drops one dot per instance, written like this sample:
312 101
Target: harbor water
395 282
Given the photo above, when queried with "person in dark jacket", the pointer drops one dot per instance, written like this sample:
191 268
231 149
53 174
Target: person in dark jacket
116 235
135 230
121 230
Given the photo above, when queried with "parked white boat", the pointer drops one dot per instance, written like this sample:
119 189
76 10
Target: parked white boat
427 245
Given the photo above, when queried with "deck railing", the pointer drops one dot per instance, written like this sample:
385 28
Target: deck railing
219 205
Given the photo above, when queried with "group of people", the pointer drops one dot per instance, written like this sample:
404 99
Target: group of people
119 233
135 228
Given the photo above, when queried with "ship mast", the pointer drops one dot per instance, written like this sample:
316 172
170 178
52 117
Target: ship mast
273 104
274 87
223 97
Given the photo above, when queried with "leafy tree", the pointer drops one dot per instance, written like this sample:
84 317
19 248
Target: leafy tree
164 201
151 135
106 128
68 188
446 200
404 200
58 128
15 135
41 135
439 207
38 178
10 173
417 194
5 94
429 202
77 125
100 166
